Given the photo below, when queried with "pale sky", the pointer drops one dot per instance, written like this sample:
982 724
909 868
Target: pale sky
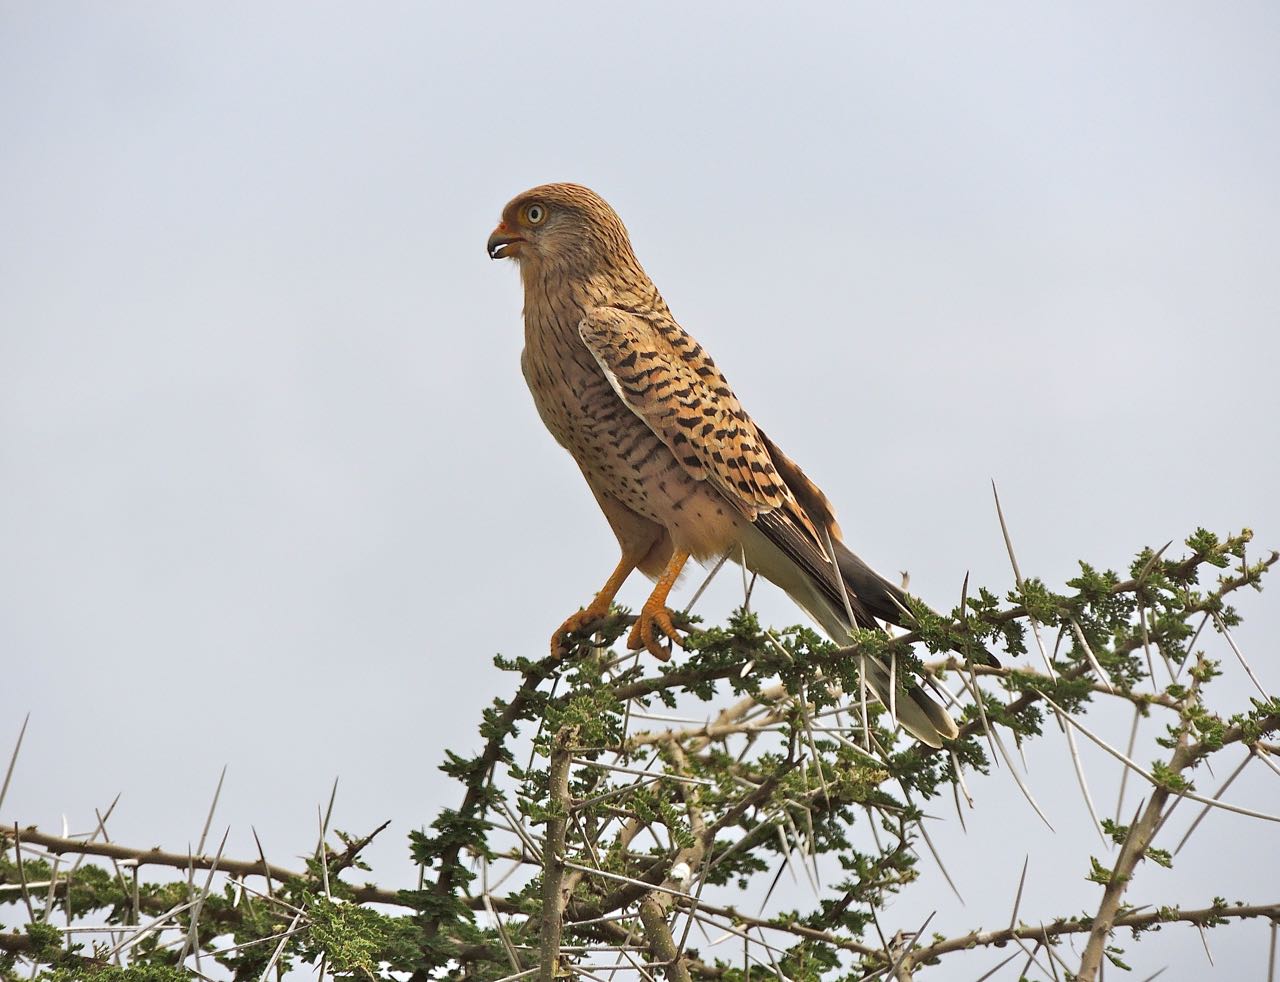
272 490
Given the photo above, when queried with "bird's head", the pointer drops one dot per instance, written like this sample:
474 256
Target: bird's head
565 227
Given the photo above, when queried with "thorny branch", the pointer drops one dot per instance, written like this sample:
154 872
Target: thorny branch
553 852
59 846
616 846
1204 916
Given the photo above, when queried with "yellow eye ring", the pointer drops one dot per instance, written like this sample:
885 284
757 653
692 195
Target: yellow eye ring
535 214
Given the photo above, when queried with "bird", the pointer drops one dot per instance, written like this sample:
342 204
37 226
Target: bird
677 466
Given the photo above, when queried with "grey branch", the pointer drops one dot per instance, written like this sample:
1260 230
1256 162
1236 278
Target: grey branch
553 898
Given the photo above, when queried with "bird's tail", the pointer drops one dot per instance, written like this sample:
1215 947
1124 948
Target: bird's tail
921 715
880 598
869 597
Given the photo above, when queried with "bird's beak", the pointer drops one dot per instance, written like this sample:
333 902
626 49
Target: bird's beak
503 243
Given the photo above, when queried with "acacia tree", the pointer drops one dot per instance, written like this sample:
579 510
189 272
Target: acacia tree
618 807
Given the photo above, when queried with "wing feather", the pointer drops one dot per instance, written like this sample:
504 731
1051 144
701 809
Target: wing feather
670 382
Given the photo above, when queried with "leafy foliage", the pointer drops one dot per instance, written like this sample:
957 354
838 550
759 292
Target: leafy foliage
756 750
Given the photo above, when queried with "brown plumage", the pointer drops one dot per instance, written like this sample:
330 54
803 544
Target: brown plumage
678 467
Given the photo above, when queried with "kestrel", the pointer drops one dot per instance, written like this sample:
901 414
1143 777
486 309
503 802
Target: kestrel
677 466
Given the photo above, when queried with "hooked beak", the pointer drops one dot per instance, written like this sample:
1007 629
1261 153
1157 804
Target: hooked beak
503 243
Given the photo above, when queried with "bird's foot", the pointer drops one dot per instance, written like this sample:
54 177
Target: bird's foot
645 632
592 616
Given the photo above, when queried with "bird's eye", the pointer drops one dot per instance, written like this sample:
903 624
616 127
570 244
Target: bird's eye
534 214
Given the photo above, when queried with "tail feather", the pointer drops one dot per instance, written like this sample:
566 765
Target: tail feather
870 597
885 601
919 713
882 598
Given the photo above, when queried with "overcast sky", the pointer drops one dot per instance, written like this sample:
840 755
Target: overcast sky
272 490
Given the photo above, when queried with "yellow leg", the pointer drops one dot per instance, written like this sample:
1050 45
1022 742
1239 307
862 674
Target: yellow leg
654 615
594 610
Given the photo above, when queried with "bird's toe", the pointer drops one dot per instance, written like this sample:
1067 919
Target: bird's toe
561 643
647 631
